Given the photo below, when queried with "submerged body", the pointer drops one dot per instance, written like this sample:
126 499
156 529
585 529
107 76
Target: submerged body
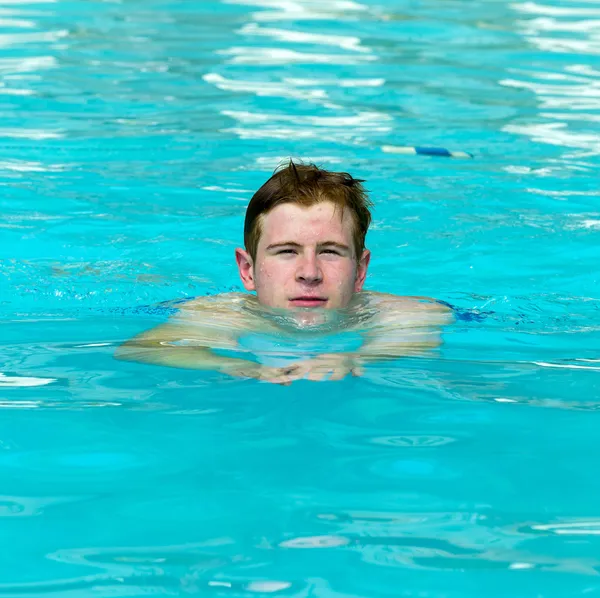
235 334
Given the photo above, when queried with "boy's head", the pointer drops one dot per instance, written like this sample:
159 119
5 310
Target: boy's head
305 234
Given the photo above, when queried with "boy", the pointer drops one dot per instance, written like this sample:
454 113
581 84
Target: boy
305 258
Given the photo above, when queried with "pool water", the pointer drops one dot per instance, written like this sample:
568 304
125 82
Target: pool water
132 135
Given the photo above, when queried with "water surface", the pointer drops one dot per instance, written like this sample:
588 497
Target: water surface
133 133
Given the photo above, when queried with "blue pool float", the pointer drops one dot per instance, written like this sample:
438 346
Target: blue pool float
424 151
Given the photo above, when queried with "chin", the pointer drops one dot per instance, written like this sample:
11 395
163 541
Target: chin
310 317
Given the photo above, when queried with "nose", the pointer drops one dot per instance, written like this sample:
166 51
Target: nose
308 269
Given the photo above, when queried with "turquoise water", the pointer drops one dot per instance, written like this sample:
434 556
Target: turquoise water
133 133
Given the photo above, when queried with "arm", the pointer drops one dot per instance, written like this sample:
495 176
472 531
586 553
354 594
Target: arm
188 339
157 346
160 346
405 327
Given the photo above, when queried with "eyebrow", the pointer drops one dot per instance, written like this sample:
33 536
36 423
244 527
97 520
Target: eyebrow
340 246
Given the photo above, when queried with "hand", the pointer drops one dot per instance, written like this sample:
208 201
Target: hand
263 373
328 366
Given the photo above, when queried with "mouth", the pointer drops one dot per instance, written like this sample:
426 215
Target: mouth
308 301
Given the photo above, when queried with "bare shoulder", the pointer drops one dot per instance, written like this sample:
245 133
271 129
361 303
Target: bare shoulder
406 310
212 321
224 302
416 302
232 308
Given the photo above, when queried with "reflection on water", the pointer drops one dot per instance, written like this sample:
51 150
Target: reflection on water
569 94
302 9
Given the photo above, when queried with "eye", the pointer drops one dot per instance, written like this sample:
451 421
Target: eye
286 251
331 251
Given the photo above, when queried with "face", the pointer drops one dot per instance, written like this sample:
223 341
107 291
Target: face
305 258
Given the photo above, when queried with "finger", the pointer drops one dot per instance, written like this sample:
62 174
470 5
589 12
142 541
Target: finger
290 369
319 374
271 377
339 374
300 372
290 376
357 371
277 375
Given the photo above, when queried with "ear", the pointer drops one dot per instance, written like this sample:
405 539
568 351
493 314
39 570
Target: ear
246 268
361 270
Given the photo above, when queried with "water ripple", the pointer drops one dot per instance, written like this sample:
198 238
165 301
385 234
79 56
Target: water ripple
264 88
286 35
302 9
282 56
569 94
133 132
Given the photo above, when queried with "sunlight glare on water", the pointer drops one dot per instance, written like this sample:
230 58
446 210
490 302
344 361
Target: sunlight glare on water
133 134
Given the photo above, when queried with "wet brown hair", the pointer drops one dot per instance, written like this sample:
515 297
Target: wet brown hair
307 185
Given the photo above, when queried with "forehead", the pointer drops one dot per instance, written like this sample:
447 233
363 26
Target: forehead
320 222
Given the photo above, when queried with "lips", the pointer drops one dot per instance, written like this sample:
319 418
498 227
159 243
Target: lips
308 301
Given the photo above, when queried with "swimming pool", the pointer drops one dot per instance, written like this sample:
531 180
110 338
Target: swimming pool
133 134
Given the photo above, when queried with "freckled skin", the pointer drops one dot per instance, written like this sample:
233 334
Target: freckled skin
305 258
